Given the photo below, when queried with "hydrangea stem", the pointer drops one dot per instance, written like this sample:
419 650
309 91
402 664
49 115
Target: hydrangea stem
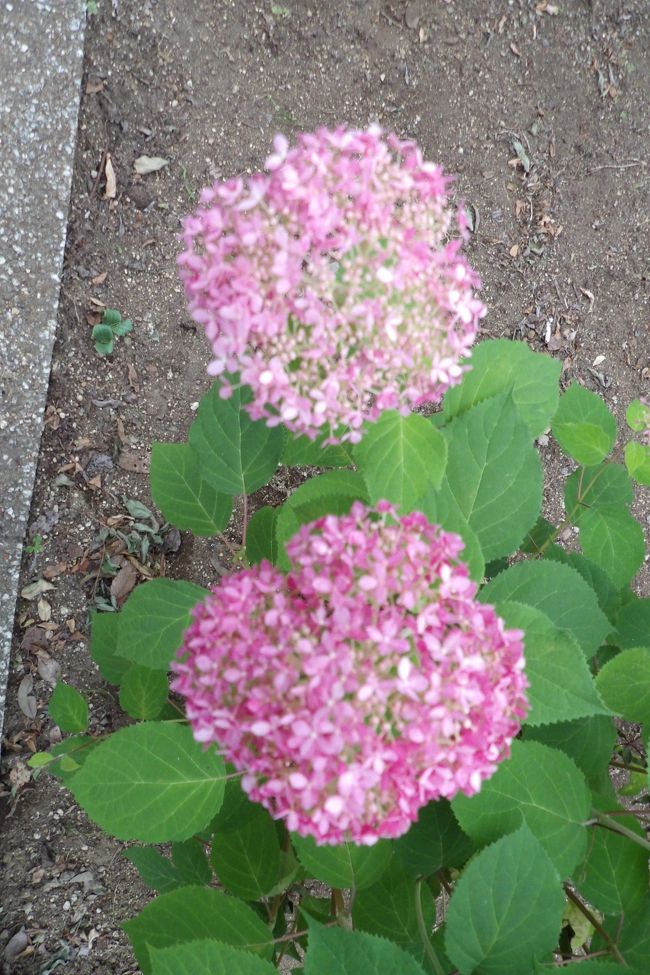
608 823
424 934
595 923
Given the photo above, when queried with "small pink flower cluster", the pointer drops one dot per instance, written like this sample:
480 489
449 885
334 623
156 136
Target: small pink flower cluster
362 685
326 283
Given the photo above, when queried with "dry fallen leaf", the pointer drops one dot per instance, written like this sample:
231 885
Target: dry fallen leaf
130 460
133 377
149 164
124 582
26 699
100 278
514 250
48 667
93 87
35 589
44 610
110 191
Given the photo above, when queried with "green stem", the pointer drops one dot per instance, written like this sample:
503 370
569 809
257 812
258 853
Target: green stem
595 923
424 934
628 768
570 518
608 823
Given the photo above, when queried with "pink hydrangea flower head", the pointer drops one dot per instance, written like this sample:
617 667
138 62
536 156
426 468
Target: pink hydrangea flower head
331 282
362 685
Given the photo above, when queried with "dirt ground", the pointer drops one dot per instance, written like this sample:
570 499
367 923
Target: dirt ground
543 112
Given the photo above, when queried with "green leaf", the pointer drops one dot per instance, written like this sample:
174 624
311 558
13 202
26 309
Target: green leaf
637 416
388 908
495 474
154 619
207 958
633 624
71 753
123 328
593 487
346 865
612 538
191 862
192 913
143 692
151 782
155 870
236 454
624 684
506 909
111 317
334 951
588 741
261 541
637 461
184 497
303 452
236 807
68 708
543 787
501 366
538 537
583 426
559 592
561 685
103 647
609 597
614 874
434 841
247 858
631 934
332 493
441 508
40 759
102 335
399 457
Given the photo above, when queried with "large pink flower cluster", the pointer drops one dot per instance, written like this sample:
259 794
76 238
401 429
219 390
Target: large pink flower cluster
362 685
330 284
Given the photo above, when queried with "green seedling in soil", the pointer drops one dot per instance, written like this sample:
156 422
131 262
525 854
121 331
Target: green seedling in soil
36 546
92 7
111 326
189 189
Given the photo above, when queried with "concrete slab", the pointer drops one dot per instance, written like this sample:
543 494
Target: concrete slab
41 61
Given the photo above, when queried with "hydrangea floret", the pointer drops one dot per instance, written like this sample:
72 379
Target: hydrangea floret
362 685
331 284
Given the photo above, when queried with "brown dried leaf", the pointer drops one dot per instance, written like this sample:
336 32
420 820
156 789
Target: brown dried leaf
133 377
131 460
124 582
142 569
149 164
35 589
110 191
95 483
93 87
44 610
48 667
26 699
52 571
100 278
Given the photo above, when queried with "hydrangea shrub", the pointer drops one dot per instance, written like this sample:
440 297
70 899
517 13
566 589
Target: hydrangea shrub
406 689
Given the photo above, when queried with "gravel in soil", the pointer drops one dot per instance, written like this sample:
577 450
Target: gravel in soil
539 109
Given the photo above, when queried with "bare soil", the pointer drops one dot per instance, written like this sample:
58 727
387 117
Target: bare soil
562 234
